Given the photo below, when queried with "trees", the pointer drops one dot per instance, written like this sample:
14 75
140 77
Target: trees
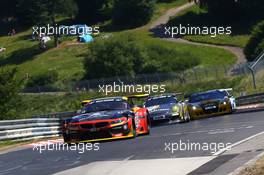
39 12
114 57
10 86
94 10
256 43
232 7
7 8
132 13
125 55
219 7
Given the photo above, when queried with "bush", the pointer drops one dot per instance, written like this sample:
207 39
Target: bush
94 10
256 43
114 57
233 8
163 59
125 55
220 7
44 79
10 87
132 13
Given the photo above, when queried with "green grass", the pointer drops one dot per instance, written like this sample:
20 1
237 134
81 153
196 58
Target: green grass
24 53
198 17
8 144
246 85
67 60
207 56
162 7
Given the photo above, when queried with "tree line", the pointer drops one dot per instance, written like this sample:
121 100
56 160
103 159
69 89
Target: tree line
129 13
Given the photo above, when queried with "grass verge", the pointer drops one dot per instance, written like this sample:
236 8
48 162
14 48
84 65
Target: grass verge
196 16
257 169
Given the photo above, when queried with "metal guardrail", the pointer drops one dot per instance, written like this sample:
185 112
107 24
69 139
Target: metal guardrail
50 125
250 99
27 129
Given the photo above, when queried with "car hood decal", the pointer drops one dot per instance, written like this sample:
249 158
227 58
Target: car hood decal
101 115
160 108
207 102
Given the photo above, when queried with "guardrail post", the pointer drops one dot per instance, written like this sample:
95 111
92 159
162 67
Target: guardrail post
253 78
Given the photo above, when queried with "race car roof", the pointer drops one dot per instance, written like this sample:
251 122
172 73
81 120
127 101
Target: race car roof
228 89
164 96
206 92
109 99
138 96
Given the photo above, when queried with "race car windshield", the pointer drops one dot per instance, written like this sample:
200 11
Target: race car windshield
160 101
105 106
206 96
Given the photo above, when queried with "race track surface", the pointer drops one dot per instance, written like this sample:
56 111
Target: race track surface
143 150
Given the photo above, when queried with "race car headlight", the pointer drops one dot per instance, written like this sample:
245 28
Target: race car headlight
117 121
224 103
175 109
194 108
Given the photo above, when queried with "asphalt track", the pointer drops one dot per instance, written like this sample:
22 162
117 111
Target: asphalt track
222 129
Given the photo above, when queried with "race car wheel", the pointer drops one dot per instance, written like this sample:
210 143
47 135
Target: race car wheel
187 117
148 125
232 110
66 138
134 129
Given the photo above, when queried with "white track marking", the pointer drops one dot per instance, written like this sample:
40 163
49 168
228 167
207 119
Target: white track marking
237 143
173 166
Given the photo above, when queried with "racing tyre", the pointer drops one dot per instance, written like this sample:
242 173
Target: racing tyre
187 117
134 129
66 138
149 125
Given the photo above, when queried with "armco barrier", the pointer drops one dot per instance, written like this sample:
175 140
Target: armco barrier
50 125
250 99
27 129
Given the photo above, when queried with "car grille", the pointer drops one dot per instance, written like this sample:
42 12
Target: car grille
208 110
86 126
95 135
158 113
101 124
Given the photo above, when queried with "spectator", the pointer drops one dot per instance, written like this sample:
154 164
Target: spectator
2 49
12 32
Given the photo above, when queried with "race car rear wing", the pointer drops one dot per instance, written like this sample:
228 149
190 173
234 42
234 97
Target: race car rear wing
138 99
137 96
228 89
85 102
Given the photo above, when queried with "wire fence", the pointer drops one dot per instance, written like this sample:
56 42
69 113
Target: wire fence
251 70
198 74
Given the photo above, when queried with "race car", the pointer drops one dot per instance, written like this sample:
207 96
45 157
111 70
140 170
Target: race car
167 107
105 119
214 102
228 93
